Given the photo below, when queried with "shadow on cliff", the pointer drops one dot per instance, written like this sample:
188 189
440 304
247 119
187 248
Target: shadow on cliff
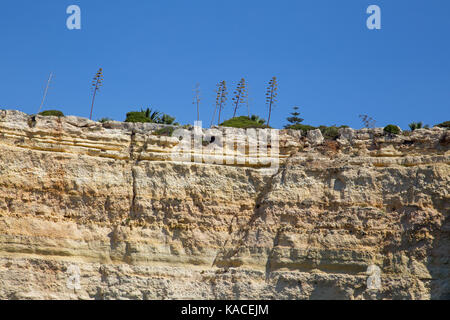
439 266
425 238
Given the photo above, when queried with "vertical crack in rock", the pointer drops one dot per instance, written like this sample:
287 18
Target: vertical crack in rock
269 266
134 188
258 212
115 239
133 162
259 203
282 170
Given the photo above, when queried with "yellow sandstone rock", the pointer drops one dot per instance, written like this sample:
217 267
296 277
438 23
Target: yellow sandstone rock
101 211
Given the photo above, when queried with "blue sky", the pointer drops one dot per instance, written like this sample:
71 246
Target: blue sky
154 52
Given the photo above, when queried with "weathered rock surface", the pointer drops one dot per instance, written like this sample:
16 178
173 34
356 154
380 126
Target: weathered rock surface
101 211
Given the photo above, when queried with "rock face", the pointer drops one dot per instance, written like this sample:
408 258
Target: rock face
102 211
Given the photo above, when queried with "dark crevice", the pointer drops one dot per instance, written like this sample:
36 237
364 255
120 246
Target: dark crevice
260 206
133 174
133 198
269 267
259 210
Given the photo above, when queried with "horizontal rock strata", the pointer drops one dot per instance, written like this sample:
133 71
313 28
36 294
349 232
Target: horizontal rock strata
103 211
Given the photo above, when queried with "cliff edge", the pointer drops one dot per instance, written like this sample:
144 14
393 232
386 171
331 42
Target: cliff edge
102 211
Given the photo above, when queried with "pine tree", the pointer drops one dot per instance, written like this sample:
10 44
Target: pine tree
295 119
271 96
97 82
240 95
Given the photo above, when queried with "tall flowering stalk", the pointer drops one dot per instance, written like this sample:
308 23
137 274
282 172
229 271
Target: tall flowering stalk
271 96
221 99
240 95
97 82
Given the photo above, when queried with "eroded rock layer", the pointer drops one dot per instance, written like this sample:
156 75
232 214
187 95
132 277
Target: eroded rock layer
101 211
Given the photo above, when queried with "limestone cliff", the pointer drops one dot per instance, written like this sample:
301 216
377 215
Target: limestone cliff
101 211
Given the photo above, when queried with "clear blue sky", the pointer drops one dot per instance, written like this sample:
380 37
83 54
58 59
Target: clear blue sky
153 52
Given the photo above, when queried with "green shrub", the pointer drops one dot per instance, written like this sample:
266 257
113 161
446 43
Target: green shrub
103 120
166 132
51 113
304 127
418 125
329 132
149 115
392 129
166 119
445 124
137 117
205 143
415 125
258 119
243 122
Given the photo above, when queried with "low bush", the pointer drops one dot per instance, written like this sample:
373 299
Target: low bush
166 119
137 117
51 113
330 133
258 119
103 120
166 132
151 116
205 143
392 129
304 127
244 123
418 125
415 125
445 124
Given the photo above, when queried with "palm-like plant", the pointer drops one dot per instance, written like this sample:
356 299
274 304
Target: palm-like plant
166 119
240 95
153 115
271 96
97 82
416 125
